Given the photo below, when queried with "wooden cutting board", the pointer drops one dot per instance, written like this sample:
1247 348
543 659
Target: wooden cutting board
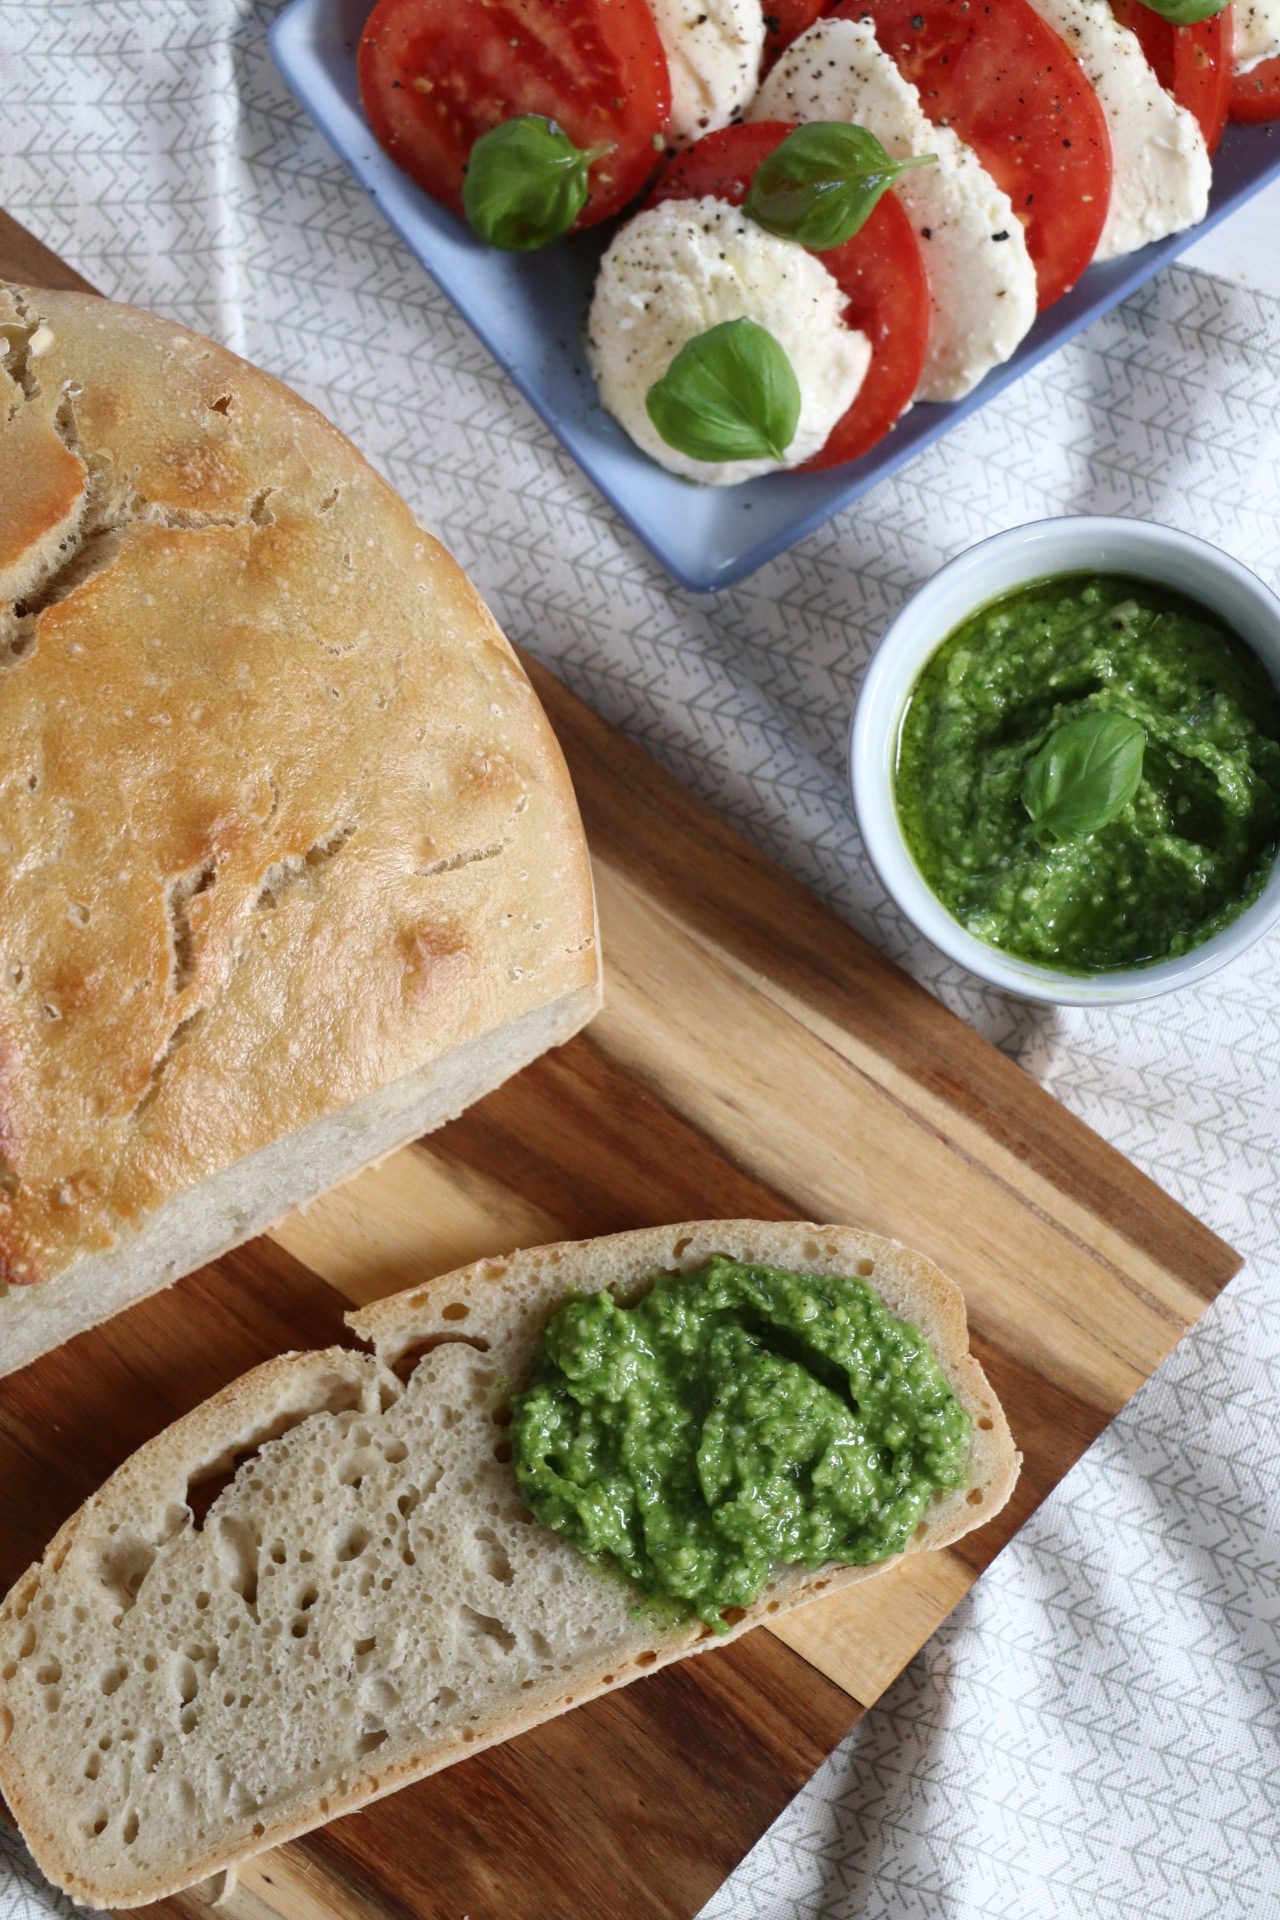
755 1057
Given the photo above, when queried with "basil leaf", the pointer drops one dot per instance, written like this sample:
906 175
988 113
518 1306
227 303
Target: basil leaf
1185 13
730 394
1084 775
526 183
821 184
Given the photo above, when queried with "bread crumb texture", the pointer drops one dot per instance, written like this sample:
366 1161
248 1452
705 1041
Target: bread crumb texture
324 1583
280 817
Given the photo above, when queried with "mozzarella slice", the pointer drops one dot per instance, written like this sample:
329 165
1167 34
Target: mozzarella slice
680 268
1159 161
982 284
1256 35
713 50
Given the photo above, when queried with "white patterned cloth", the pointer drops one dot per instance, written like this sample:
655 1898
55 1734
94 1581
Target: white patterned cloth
1094 1733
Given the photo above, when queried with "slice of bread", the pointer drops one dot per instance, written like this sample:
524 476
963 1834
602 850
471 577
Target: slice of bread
290 866
186 1679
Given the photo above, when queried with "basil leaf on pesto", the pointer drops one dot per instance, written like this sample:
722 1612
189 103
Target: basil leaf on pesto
730 394
1198 840
821 184
731 1420
1084 775
526 183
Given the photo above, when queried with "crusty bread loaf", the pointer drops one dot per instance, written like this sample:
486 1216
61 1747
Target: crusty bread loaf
290 866
367 1599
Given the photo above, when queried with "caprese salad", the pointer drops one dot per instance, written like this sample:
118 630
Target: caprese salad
849 205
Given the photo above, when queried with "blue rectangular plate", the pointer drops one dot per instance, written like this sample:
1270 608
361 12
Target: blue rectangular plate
529 310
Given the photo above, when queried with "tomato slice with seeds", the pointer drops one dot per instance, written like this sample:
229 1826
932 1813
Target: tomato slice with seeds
1015 93
1191 63
1255 96
880 272
436 74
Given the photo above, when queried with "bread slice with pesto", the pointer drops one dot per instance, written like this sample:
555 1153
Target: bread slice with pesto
186 1680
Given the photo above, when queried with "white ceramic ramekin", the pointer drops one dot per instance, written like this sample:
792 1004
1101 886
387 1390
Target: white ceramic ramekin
1082 544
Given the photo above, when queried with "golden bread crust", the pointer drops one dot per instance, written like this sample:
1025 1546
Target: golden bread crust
280 816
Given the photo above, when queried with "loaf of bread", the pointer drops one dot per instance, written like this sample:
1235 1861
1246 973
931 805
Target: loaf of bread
186 1680
290 866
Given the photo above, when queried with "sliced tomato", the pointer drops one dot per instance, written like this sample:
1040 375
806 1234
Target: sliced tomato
785 21
880 272
436 74
1255 95
998 74
1193 63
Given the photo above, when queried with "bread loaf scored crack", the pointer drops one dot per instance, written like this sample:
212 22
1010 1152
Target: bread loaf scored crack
323 1583
290 866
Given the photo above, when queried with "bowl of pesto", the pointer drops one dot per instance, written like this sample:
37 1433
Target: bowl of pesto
1065 760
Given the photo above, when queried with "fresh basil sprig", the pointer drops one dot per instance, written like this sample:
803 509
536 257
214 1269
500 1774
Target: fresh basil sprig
1084 775
526 183
821 184
730 394
1185 13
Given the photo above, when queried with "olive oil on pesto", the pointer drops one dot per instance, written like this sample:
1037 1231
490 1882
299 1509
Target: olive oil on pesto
730 1420
1186 854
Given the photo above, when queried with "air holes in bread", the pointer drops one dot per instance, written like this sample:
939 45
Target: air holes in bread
114 1677
123 1567
216 1475
865 1269
353 1543
985 1425
353 1471
371 1740
732 1615
486 1628
502 1452
647 1659
456 1310
682 1247
238 1548
974 1496
406 1362
497 1562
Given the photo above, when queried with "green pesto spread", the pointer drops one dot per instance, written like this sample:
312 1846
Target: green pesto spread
1182 857
731 1420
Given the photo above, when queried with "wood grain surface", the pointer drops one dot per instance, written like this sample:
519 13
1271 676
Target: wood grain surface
756 1057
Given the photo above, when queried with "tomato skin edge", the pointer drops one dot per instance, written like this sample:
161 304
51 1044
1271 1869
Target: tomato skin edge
1192 63
881 271
1255 96
961 55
